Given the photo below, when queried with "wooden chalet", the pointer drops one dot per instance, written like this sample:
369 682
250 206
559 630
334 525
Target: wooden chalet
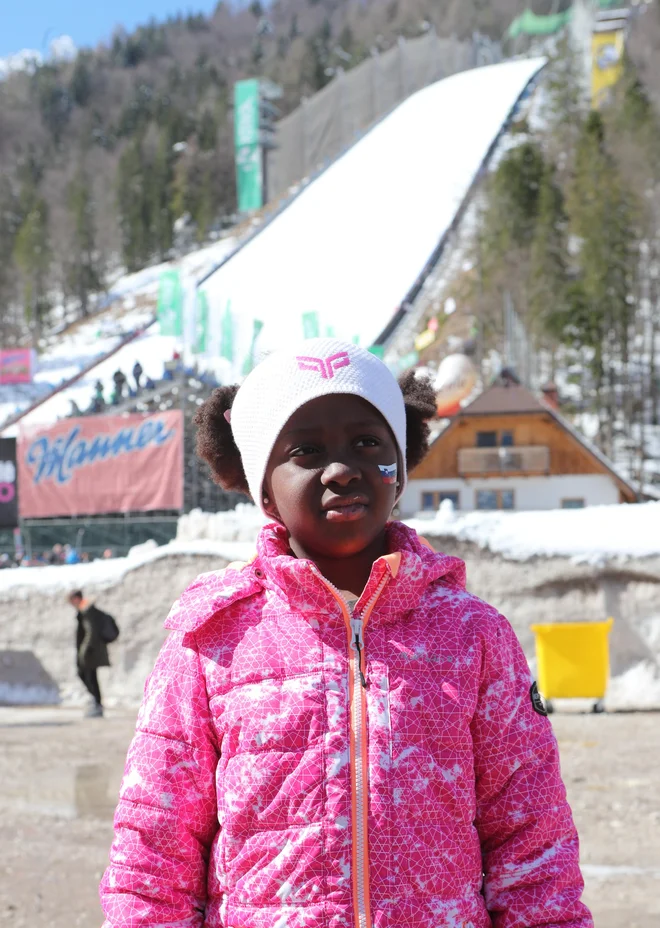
509 450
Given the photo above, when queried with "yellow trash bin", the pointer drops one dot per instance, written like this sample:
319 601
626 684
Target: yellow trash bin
573 659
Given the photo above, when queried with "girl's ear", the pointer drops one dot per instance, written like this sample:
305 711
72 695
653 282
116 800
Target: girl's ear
269 506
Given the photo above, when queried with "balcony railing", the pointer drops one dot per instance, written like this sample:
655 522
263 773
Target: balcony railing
529 459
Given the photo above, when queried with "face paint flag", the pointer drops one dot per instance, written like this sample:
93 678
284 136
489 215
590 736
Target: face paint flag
388 473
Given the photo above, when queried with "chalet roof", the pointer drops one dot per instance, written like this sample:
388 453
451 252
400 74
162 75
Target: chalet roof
504 399
507 396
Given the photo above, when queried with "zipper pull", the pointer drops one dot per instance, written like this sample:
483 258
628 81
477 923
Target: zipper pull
358 644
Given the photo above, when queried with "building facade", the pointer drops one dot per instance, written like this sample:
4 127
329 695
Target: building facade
510 451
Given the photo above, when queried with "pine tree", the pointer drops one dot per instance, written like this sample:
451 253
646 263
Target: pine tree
133 206
549 259
9 226
84 272
159 193
80 87
601 212
33 257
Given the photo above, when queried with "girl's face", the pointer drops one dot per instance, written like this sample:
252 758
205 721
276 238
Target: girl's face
324 479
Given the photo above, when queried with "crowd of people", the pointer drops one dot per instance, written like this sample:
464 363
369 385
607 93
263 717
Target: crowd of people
122 389
59 554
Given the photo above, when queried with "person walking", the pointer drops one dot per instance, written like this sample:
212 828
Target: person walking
91 648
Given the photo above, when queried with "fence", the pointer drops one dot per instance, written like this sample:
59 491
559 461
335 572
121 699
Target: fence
332 120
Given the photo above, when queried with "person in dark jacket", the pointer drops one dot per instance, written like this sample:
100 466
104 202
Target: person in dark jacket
137 374
91 648
119 379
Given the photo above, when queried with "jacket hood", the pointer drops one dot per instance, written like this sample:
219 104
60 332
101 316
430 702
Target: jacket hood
411 562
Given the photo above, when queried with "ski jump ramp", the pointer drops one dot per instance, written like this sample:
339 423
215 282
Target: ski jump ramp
350 246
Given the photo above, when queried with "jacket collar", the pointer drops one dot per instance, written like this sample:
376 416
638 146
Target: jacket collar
410 563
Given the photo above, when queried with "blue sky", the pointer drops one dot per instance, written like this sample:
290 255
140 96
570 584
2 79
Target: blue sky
33 23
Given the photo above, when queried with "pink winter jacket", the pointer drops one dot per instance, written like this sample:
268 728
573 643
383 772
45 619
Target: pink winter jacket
267 787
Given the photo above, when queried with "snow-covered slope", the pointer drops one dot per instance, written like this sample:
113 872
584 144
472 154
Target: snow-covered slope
348 248
353 243
131 303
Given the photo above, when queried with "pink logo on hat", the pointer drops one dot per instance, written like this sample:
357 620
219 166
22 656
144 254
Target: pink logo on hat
326 367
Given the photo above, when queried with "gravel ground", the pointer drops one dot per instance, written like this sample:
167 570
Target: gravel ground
59 777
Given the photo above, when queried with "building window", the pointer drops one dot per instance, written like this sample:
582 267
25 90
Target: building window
507 499
506 439
486 439
495 499
428 502
431 501
573 503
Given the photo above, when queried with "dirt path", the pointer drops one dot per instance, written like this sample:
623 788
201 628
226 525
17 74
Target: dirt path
59 777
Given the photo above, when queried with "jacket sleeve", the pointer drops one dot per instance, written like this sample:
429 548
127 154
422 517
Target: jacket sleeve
528 839
92 624
167 815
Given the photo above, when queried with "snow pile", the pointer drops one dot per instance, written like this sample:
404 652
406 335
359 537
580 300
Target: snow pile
21 581
241 524
638 689
591 534
588 535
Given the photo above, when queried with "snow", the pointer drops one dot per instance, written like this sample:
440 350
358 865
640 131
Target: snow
240 524
104 573
131 302
590 535
353 242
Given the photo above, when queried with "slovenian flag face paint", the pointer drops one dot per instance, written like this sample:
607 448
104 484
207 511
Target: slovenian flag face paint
388 473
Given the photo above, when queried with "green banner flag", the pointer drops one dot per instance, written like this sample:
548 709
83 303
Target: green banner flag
227 334
247 148
170 304
249 361
378 351
201 323
311 328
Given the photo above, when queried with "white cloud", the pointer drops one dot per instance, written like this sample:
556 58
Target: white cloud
61 48
26 60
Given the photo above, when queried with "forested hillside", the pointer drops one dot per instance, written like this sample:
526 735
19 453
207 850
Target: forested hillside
569 237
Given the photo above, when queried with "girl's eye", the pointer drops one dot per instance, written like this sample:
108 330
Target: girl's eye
367 442
302 450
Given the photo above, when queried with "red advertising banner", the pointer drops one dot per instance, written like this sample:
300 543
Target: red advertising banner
100 464
16 365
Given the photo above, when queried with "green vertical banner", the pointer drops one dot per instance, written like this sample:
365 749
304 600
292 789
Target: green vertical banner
247 148
227 334
249 361
170 304
311 328
201 323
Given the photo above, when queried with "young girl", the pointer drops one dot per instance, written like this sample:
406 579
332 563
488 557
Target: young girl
337 734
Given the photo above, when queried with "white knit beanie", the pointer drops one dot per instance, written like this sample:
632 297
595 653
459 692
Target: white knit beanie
289 378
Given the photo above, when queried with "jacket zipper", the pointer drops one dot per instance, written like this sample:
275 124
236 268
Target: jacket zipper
359 761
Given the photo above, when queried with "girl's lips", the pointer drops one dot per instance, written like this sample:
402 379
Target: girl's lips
351 513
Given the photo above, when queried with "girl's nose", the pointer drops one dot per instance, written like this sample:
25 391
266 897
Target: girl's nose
341 473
